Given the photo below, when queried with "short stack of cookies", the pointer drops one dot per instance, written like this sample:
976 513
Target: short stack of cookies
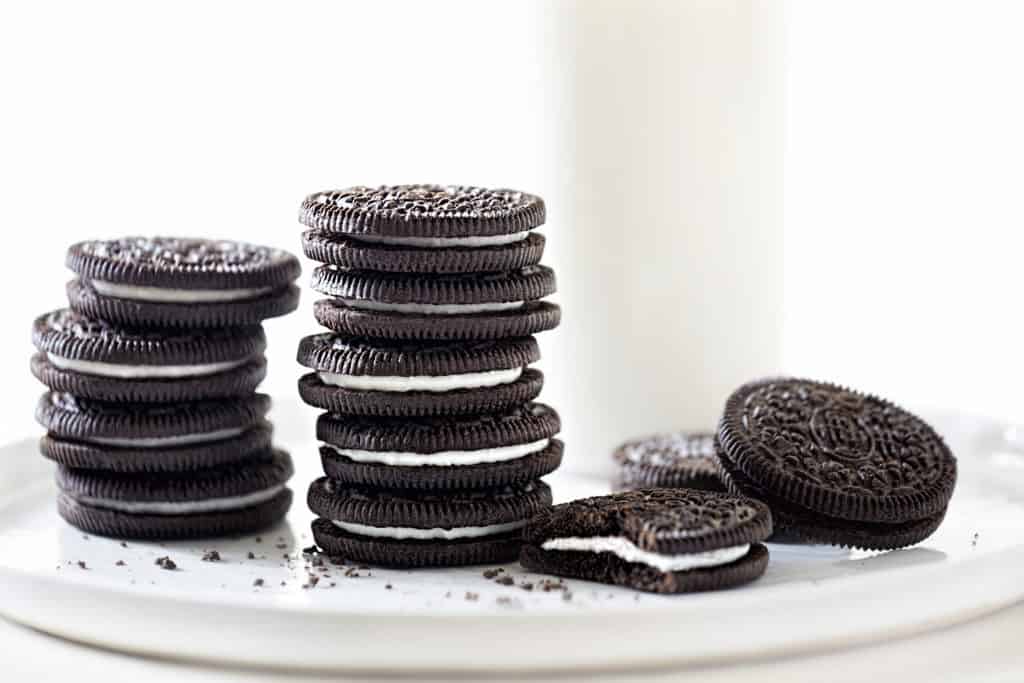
152 413
432 444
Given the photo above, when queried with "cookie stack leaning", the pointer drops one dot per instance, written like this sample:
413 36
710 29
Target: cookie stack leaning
152 414
432 443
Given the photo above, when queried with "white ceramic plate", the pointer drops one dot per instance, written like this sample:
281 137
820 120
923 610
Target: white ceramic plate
810 599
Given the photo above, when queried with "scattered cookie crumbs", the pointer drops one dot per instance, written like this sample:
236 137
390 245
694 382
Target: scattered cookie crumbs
123 544
351 571
311 581
280 546
491 573
211 556
526 586
974 540
387 586
259 539
472 597
332 584
166 562
119 563
504 600
257 583
566 596
284 583
505 581
250 555
81 565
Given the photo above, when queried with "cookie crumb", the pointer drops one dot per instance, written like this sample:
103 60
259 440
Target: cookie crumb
119 563
472 597
491 573
166 562
81 565
259 539
526 586
211 556
250 555
505 581
974 540
311 581
123 544
387 586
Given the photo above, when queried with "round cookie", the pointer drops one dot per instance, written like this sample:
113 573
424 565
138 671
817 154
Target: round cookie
231 499
359 254
93 359
393 529
84 455
836 466
358 377
670 460
436 307
416 212
657 540
148 425
181 282
441 453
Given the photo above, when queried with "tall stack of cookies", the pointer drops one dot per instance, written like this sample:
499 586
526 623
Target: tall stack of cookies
152 413
432 444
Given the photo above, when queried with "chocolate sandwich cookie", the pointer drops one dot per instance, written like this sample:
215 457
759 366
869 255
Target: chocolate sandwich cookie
427 255
161 428
91 358
181 282
393 529
441 307
836 466
230 499
441 453
182 458
669 460
359 377
658 540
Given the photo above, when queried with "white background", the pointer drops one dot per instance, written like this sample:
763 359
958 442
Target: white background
903 159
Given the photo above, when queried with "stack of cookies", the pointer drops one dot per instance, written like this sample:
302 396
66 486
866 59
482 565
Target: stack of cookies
152 414
432 443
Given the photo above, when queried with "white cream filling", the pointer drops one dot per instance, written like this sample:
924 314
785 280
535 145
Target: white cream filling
430 309
442 458
169 295
91 367
442 242
403 533
183 507
165 441
626 550
468 380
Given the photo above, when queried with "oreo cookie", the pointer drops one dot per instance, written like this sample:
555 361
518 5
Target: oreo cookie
436 307
835 465
181 282
393 529
441 453
93 359
183 458
657 540
135 426
669 460
356 376
418 212
231 499
427 255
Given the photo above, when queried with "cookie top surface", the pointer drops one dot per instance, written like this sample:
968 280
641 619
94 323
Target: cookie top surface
524 424
71 417
693 450
422 211
354 356
183 263
67 334
835 451
525 284
449 509
258 473
664 521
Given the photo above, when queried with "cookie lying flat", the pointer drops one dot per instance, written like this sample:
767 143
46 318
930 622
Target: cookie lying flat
836 466
90 358
441 453
425 307
670 460
181 282
658 540
184 458
232 499
359 377
111 427
397 530
358 254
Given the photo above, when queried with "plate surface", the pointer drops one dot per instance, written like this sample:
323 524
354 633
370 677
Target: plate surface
457 620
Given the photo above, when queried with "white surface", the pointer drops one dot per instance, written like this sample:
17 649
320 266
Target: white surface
970 567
